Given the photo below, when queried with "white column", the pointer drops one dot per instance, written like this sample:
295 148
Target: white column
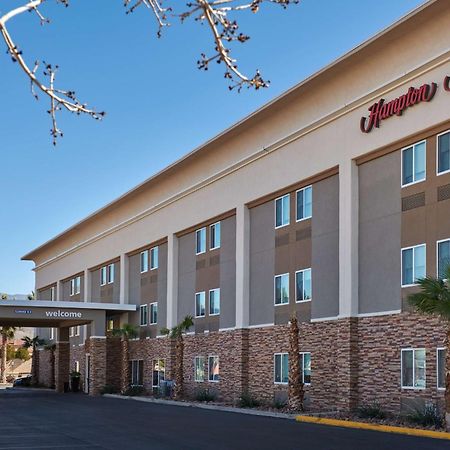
348 239
124 278
242 266
172 280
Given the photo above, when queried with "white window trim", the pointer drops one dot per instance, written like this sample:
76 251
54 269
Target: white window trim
437 254
150 258
72 287
198 231
295 281
407 148
140 261
437 155
275 211
108 273
437 372
210 228
275 290
296 211
274 368
209 302
195 369
105 271
401 263
141 307
77 330
303 366
209 368
150 313
52 294
71 332
412 388
77 285
195 306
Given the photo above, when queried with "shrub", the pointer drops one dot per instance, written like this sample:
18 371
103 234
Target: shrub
429 415
279 404
108 389
371 411
134 391
247 401
205 395
23 354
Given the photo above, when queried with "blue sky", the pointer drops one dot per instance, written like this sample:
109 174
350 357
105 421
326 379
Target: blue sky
159 105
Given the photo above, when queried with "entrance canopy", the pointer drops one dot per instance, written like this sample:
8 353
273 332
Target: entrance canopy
43 314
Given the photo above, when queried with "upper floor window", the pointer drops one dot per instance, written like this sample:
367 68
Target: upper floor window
75 285
281 368
144 261
200 304
414 163
413 368
154 258
213 368
143 315
153 313
214 236
440 356
103 276
304 203
303 290
443 257
214 302
281 289
413 264
305 367
111 273
282 211
443 153
200 238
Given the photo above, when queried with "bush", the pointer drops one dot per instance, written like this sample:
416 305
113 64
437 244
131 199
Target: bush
23 354
427 416
279 404
205 395
108 389
372 411
247 401
134 391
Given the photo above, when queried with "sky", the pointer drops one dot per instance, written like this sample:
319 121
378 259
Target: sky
159 105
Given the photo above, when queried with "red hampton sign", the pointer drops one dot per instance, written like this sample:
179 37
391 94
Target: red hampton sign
381 110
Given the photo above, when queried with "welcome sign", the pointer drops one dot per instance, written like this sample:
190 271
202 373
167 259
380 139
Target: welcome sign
64 314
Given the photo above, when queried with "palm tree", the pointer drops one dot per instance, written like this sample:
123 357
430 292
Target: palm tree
7 333
176 333
295 386
434 298
126 332
33 343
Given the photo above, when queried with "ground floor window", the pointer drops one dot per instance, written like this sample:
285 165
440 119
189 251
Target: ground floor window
213 368
413 368
137 372
199 368
110 325
305 367
159 372
281 368
441 368
52 334
77 366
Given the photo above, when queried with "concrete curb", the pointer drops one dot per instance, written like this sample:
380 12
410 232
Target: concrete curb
252 412
374 427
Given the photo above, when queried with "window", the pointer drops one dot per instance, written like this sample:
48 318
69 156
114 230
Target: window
281 289
159 372
214 302
137 372
77 330
443 255
200 237
77 366
144 261
200 304
103 276
281 369
413 163
214 236
304 203
110 325
111 273
282 211
440 368
153 313
303 285
143 315
71 331
52 334
413 368
305 367
154 258
213 368
443 152
413 264
199 368
75 285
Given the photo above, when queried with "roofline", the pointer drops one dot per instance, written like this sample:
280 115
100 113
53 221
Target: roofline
238 124
69 305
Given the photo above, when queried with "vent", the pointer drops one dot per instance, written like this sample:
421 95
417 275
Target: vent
413 201
282 240
303 234
214 260
443 192
200 264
